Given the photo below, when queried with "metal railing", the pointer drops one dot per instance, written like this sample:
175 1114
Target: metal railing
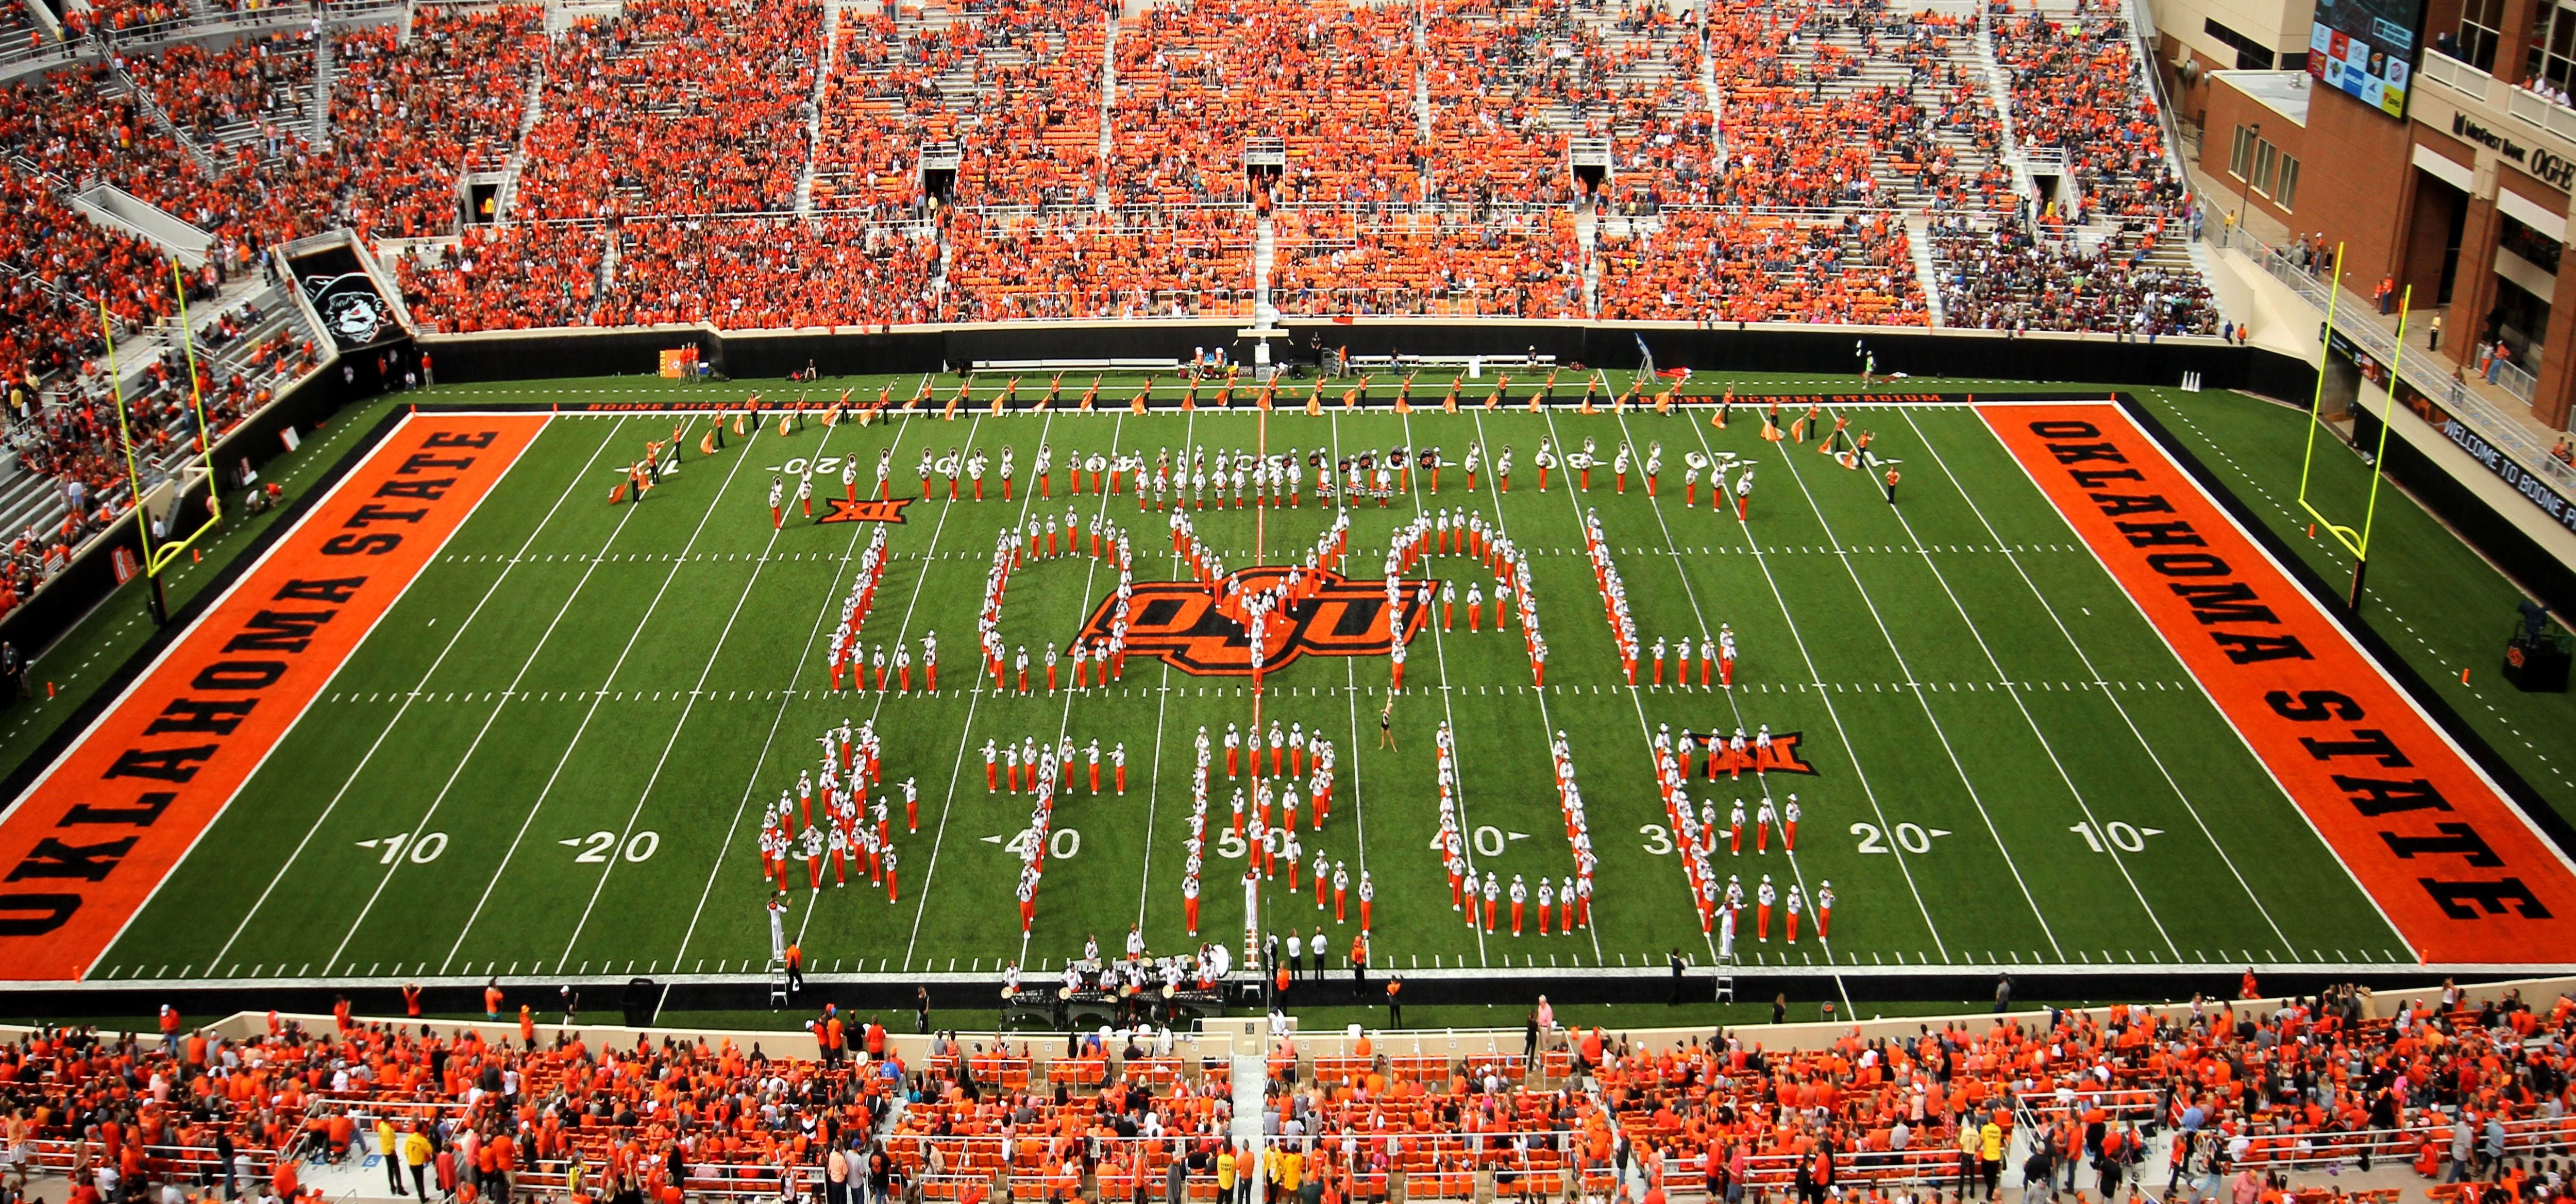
2505 432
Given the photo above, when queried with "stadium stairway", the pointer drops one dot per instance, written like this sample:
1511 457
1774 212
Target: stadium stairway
119 85
814 107
1918 238
1587 236
1716 103
1265 255
1421 82
1108 99
319 117
2002 96
532 110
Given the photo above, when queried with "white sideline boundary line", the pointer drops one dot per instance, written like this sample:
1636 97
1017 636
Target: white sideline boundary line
1832 712
208 612
2055 619
597 696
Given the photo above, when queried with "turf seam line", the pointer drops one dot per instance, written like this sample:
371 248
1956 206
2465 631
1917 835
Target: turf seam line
1942 463
395 720
1974 798
1833 713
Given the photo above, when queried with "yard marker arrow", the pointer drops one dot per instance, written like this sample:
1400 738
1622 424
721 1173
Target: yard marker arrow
992 840
1517 835
1938 831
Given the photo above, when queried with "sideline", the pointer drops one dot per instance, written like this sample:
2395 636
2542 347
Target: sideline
184 737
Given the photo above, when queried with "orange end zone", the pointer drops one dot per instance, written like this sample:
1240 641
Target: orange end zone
98 831
2448 858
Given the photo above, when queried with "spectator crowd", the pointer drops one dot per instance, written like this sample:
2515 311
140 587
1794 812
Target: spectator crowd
2217 1101
747 163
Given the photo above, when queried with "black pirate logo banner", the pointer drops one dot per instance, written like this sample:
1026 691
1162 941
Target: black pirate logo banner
341 292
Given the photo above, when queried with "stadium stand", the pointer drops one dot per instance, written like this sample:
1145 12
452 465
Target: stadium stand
750 163
1168 262
2212 1095
408 120
1520 264
1713 267
508 278
832 271
676 107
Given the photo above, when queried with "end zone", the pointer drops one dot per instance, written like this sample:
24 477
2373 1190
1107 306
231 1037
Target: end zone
2457 868
100 828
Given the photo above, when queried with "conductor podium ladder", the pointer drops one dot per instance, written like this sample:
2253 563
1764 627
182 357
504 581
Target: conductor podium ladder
777 983
1726 980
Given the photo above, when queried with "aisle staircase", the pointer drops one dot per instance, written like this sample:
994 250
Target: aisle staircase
325 65
1587 238
1918 239
1265 254
1997 83
814 107
119 85
532 109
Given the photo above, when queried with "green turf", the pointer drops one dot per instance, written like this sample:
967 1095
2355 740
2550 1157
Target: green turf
2442 606
84 657
656 668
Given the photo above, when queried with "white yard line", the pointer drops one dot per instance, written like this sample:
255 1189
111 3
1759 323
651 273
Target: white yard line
1440 654
1633 698
697 690
1824 694
598 696
786 699
1162 709
752 782
1761 781
965 731
455 635
1916 687
2111 696
1064 722
2001 680
1466 847
507 694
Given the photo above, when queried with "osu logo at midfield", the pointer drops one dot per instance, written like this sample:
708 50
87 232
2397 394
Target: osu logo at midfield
1178 621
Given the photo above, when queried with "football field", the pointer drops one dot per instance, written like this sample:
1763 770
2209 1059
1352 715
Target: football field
547 747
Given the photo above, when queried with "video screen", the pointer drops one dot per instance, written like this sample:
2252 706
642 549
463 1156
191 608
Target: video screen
2366 49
